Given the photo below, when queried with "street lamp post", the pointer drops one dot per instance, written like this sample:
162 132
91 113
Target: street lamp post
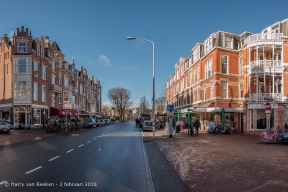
153 78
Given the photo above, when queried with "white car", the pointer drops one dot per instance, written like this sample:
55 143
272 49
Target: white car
147 125
3 127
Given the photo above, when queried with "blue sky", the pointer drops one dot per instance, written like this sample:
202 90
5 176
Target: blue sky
94 33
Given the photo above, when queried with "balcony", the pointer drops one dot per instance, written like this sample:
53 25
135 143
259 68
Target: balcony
56 88
67 106
75 106
266 97
75 90
263 37
266 66
82 94
67 87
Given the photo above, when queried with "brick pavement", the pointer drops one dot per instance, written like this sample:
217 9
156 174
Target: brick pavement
237 162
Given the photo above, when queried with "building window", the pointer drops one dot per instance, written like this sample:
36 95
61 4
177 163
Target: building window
66 97
43 72
198 73
212 90
208 69
22 47
38 49
22 89
60 78
241 89
53 100
208 45
241 65
53 65
66 80
15 89
194 71
35 91
182 70
224 64
35 69
60 98
42 52
228 42
224 88
198 93
60 63
205 93
22 65
53 79
43 93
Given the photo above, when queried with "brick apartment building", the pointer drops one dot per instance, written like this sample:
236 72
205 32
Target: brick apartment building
37 83
239 73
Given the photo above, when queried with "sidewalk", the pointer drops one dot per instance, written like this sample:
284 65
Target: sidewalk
21 135
237 162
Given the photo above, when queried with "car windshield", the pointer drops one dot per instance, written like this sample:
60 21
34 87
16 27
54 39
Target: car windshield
2 122
148 123
89 120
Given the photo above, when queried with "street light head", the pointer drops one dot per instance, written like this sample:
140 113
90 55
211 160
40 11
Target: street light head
130 38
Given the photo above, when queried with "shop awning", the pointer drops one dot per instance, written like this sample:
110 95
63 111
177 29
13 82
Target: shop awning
62 112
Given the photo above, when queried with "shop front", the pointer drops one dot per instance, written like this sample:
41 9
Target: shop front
63 114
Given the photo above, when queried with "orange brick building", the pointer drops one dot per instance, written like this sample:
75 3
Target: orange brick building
37 83
239 73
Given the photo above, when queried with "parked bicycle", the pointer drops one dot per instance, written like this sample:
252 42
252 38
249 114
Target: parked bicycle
269 134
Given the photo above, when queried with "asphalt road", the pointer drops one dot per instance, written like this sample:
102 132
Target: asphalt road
109 158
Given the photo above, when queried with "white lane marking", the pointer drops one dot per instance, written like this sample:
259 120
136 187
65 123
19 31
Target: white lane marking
99 136
99 149
2 182
103 134
54 158
80 145
33 170
88 141
107 132
94 138
70 151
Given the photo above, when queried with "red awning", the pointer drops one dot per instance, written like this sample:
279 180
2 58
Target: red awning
61 112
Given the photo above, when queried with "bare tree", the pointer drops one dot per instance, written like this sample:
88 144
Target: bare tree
120 98
144 105
160 105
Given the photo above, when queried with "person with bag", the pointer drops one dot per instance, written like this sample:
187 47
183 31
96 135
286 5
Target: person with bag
196 125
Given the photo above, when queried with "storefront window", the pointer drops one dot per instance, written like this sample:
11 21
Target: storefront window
36 118
261 119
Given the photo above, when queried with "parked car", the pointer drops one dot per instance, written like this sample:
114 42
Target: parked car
102 122
3 127
147 125
142 118
98 123
107 121
90 123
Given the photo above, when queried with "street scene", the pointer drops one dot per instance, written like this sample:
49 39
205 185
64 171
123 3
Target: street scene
156 96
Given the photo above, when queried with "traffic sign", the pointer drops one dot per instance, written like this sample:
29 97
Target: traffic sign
171 108
267 106
66 111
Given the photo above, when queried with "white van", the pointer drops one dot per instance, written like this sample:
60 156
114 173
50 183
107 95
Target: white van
147 125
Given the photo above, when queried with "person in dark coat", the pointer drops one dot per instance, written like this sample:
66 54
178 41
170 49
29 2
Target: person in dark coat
196 125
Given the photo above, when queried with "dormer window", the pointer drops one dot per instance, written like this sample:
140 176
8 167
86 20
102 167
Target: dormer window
208 45
197 54
22 47
228 42
38 49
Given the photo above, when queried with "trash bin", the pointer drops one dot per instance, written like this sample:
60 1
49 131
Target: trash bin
177 128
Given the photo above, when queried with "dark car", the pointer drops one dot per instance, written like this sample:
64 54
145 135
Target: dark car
90 123
142 118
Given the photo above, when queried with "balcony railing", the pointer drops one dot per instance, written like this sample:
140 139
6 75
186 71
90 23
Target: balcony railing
263 37
266 63
266 96
56 88
75 106
67 106
67 87
75 90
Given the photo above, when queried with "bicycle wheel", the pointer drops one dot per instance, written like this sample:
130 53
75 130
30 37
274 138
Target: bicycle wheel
263 137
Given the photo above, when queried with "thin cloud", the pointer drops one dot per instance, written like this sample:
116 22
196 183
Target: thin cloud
104 61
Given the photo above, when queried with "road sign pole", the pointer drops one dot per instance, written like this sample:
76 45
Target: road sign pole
170 126
188 119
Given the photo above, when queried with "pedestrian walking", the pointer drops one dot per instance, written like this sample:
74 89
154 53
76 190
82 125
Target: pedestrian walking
196 125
